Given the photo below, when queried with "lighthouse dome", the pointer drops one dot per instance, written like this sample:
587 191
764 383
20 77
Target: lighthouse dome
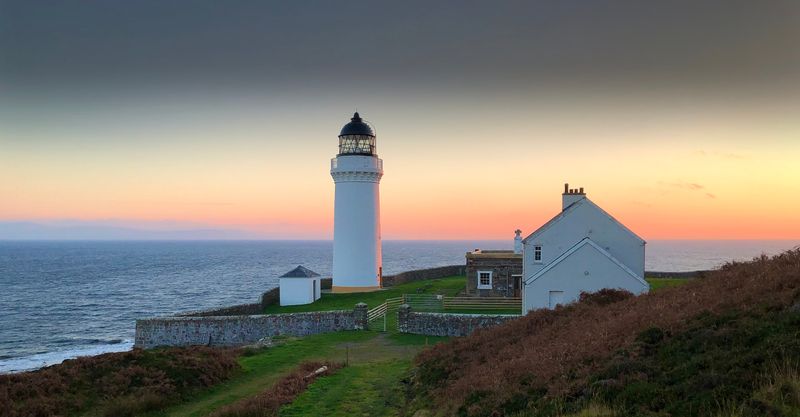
357 127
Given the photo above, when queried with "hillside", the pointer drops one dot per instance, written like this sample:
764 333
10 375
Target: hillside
727 345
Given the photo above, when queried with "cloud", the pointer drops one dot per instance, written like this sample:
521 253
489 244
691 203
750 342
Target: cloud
691 186
722 155
688 186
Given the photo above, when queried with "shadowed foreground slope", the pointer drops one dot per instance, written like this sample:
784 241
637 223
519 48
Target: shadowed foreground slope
717 343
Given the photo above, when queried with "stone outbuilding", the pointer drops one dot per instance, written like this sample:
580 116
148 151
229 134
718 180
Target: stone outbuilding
495 273
299 286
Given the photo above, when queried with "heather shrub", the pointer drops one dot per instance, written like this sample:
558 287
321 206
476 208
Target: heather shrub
604 297
552 357
115 384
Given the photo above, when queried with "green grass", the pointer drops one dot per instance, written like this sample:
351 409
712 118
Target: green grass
373 389
263 368
447 286
659 283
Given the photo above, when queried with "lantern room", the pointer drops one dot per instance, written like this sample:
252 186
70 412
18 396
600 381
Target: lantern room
357 138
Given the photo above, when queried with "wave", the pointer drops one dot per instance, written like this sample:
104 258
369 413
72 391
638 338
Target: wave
87 342
40 360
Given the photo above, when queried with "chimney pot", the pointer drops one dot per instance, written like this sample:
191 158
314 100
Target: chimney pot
581 190
566 188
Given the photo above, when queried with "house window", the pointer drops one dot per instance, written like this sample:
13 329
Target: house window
484 280
537 254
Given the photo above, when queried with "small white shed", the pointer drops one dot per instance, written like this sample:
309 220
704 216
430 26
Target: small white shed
299 286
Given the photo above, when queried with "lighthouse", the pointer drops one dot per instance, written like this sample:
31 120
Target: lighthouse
356 172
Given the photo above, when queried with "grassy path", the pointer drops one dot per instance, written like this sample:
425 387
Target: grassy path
373 389
263 368
361 349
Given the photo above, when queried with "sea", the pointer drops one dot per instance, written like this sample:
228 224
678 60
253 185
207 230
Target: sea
63 299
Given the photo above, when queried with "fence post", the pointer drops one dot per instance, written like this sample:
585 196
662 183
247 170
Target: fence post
360 317
402 318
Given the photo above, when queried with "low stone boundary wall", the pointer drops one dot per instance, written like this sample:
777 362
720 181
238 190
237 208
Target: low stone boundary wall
423 274
241 330
237 310
446 324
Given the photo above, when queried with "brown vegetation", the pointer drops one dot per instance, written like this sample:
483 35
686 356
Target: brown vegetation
116 384
283 392
553 353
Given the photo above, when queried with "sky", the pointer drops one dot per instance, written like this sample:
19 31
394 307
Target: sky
680 118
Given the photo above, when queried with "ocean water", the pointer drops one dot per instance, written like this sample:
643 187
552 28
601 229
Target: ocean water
64 299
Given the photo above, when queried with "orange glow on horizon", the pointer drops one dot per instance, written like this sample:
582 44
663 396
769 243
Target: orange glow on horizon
692 179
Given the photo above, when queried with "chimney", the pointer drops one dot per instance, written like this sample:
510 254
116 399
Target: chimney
518 241
571 195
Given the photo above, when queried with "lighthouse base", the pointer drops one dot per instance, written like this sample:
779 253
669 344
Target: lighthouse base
338 289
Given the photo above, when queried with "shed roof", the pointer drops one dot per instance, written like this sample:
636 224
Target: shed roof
493 254
300 272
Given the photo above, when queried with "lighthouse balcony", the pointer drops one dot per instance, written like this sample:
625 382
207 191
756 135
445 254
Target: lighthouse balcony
356 163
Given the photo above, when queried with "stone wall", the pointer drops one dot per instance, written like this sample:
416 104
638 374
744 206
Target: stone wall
504 267
240 330
237 310
422 274
446 324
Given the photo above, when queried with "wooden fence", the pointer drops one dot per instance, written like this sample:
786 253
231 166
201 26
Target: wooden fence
380 312
482 303
434 302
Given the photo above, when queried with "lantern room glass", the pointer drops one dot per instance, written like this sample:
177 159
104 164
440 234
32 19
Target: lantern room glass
356 145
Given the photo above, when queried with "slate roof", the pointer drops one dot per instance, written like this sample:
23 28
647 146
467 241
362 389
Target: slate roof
300 272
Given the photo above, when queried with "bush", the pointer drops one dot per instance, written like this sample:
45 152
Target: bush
117 384
555 355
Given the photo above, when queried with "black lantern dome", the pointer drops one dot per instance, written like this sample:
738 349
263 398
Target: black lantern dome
357 138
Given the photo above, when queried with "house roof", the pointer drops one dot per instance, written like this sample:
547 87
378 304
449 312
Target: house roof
493 254
300 272
564 213
573 249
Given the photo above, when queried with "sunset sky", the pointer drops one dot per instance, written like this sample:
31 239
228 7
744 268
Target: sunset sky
681 119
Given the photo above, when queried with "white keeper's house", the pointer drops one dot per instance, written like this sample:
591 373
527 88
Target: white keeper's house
581 249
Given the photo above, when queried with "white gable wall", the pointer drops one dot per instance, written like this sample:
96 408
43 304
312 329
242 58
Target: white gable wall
296 291
586 269
582 220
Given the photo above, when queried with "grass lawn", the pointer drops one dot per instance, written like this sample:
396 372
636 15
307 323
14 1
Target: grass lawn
260 370
447 286
373 389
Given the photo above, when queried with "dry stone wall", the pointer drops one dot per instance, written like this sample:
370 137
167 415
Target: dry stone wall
446 324
422 274
241 330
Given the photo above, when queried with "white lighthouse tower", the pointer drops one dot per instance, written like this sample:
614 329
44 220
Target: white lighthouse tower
357 172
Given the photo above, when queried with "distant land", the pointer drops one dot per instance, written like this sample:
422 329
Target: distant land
84 230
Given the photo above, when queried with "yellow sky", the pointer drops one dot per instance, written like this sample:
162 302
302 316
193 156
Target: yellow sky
676 169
